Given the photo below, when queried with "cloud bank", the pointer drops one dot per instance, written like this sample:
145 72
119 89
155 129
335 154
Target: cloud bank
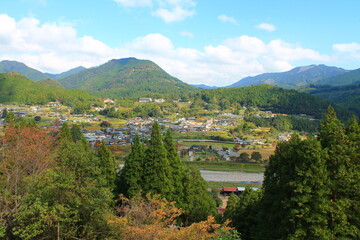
57 47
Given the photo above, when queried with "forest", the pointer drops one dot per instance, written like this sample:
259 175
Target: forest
53 186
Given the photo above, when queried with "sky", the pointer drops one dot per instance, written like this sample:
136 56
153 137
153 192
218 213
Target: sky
212 42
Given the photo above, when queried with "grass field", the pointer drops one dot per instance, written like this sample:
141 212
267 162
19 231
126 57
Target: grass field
265 153
228 145
227 166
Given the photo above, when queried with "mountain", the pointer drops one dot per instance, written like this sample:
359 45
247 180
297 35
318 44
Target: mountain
67 73
295 78
127 77
16 88
203 86
347 96
51 83
347 78
13 66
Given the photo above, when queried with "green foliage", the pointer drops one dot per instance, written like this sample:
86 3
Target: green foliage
244 157
159 170
256 156
346 96
37 118
15 88
267 97
50 83
13 66
4 113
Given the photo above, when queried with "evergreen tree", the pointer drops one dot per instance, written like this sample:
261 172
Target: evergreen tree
4 113
342 161
294 205
107 166
156 172
177 172
199 201
76 133
130 180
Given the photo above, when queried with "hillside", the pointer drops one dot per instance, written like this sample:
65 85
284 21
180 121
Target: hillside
16 88
67 73
295 78
30 73
347 96
347 78
51 83
267 97
128 77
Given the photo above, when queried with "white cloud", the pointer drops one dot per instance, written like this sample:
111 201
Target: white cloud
226 19
134 3
168 10
57 47
175 14
347 47
187 34
266 26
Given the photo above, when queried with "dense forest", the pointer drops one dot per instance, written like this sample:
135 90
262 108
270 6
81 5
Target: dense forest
265 97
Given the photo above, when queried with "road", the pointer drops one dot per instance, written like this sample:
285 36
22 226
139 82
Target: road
220 176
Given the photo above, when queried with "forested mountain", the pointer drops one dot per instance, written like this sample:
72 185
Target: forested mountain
51 83
266 97
342 79
126 77
16 88
297 77
67 73
347 96
13 66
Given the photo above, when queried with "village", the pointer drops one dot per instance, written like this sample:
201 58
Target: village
198 138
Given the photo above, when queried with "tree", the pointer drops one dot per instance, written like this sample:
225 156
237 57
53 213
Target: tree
105 124
244 157
295 202
342 159
256 156
27 152
37 118
156 173
130 180
4 113
177 172
107 166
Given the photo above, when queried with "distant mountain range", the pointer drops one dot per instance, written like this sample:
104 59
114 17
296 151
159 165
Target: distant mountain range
203 86
295 78
67 73
16 88
127 77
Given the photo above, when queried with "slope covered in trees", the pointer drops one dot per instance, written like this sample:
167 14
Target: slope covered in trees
311 188
16 88
266 97
347 96
126 77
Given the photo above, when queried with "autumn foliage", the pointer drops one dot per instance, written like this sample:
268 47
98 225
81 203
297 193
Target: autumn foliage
153 217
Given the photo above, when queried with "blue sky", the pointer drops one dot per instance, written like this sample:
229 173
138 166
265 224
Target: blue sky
198 41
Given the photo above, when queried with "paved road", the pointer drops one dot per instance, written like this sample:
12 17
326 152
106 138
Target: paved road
220 176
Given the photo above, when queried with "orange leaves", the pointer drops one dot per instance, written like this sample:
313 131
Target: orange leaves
152 217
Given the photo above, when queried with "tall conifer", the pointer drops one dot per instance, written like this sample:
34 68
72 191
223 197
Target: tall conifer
130 180
156 166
